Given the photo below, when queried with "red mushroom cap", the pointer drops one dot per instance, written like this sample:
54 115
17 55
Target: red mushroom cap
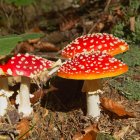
25 65
104 42
92 66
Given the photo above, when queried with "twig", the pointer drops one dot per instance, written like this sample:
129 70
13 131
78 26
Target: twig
107 6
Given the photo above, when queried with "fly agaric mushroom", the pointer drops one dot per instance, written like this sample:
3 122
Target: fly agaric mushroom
103 42
88 67
27 66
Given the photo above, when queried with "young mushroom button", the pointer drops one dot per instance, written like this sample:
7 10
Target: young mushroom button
103 42
27 66
88 67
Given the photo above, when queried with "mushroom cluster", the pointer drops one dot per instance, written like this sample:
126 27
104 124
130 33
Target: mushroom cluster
90 59
27 66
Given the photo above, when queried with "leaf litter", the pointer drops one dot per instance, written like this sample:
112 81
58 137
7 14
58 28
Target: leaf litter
60 114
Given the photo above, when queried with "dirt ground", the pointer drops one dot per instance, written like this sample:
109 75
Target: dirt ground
60 114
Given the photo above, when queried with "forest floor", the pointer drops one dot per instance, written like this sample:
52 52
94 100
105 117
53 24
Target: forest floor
61 113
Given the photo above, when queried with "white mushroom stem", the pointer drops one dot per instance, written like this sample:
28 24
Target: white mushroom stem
3 98
24 97
92 89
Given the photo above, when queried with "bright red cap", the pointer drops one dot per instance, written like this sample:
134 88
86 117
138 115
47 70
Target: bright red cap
25 65
104 42
92 66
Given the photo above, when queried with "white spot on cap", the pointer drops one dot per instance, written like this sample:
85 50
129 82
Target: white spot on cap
20 62
92 46
84 44
17 66
19 54
22 58
122 48
82 67
26 62
79 47
13 58
100 46
104 51
74 69
9 71
91 41
111 44
41 67
12 62
26 54
33 59
120 65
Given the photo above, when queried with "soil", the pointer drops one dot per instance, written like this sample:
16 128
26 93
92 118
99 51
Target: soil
61 113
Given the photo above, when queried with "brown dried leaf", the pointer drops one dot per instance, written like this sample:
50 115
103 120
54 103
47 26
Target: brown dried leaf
115 107
35 30
46 46
136 77
100 26
24 47
68 24
23 128
89 133
33 41
37 95
46 112
2 57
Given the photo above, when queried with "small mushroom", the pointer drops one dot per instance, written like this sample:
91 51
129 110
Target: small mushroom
90 67
103 42
4 93
27 66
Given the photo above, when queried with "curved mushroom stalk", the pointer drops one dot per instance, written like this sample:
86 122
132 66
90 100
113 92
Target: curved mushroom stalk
92 89
3 98
24 97
3 105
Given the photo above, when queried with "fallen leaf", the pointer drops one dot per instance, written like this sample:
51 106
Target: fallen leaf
35 30
88 133
68 24
115 107
46 46
23 128
33 41
46 112
37 95
24 47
